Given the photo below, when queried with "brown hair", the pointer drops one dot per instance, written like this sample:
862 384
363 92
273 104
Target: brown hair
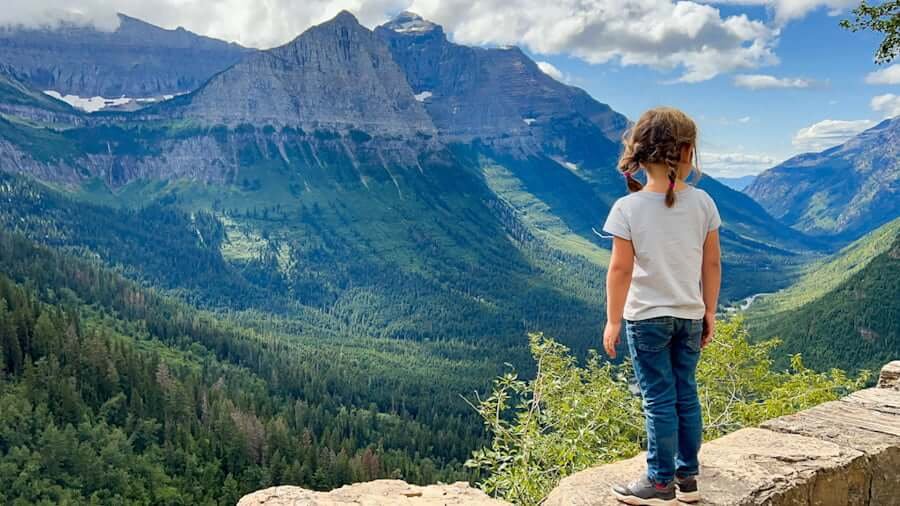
658 137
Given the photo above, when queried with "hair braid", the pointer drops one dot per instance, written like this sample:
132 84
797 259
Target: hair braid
659 136
672 173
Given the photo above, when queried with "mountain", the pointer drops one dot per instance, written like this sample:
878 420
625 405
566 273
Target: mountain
21 101
340 117
737 183
496 95
544 145
136 59
844 311
845 191
336 75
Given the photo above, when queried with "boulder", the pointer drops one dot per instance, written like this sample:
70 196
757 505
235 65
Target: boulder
373 493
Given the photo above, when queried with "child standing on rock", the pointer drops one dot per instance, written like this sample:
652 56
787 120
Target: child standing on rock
663 279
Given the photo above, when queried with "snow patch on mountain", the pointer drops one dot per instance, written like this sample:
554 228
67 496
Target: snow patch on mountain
421 97
410 22
94 104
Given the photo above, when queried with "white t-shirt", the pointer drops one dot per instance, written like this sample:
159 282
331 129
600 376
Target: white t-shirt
668 250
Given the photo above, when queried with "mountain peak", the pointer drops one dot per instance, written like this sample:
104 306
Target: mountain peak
344 17
410 23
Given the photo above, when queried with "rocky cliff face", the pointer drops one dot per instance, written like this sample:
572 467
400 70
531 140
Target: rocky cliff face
498 95
847 190
335 76
136 60
21 101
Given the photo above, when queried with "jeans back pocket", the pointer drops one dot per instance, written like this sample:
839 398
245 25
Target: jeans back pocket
651 335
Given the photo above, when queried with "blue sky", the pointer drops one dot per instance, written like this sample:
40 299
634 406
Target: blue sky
759 123
765 79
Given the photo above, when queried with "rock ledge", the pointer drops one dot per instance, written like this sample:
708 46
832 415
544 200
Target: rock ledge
841 453
373 493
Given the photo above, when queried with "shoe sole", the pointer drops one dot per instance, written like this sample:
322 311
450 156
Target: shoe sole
689 497
637 501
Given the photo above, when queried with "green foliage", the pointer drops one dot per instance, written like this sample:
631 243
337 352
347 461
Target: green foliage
571 417
112 394
564 420
883 18
855 324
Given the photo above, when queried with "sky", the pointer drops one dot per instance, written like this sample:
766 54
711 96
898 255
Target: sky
764 79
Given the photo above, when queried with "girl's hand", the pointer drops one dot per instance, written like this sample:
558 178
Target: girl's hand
709 329
611 338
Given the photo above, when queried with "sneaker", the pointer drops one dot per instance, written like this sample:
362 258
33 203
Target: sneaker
686 489
644 492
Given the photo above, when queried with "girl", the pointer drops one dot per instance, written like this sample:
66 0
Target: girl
663 279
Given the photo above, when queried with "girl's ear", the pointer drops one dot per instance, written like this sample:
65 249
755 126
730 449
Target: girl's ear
687 153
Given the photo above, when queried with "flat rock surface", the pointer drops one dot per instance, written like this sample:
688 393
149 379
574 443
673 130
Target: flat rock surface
373 493
750 466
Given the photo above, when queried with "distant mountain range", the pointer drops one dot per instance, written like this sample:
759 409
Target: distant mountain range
845 191
739 183
386 175
136 59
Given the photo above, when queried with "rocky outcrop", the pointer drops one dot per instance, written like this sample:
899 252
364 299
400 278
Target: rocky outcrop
136 59
497 95
890 376
841 453
335 76
380 492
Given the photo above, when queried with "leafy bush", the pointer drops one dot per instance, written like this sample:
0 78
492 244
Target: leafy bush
571 417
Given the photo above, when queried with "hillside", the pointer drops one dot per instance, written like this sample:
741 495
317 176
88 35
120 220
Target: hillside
136 59
844 312
115 394
845 191
268 140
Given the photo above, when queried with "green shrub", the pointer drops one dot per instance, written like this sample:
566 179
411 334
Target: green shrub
571 417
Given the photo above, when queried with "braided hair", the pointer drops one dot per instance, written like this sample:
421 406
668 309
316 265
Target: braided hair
658 137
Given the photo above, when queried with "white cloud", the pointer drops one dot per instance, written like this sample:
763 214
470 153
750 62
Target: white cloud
888 75
735 164
889 104
257 24
551 70
763 81
745 119
686 36
691 38
827 133
787 10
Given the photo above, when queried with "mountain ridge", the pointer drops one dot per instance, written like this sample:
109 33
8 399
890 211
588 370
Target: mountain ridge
844 191
137 59
335 75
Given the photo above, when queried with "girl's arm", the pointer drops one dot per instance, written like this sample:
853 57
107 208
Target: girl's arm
711 278
618 280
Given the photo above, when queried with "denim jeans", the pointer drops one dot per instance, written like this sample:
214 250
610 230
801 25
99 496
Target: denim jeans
665 352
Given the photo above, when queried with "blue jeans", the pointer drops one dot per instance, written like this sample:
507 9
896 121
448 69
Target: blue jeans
665 352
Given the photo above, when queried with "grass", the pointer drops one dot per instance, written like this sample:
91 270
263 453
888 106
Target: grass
823 276
538 216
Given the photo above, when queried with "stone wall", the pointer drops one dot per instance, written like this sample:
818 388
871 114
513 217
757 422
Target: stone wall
841 453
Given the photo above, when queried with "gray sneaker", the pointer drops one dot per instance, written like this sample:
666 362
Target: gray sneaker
686 489
644 492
